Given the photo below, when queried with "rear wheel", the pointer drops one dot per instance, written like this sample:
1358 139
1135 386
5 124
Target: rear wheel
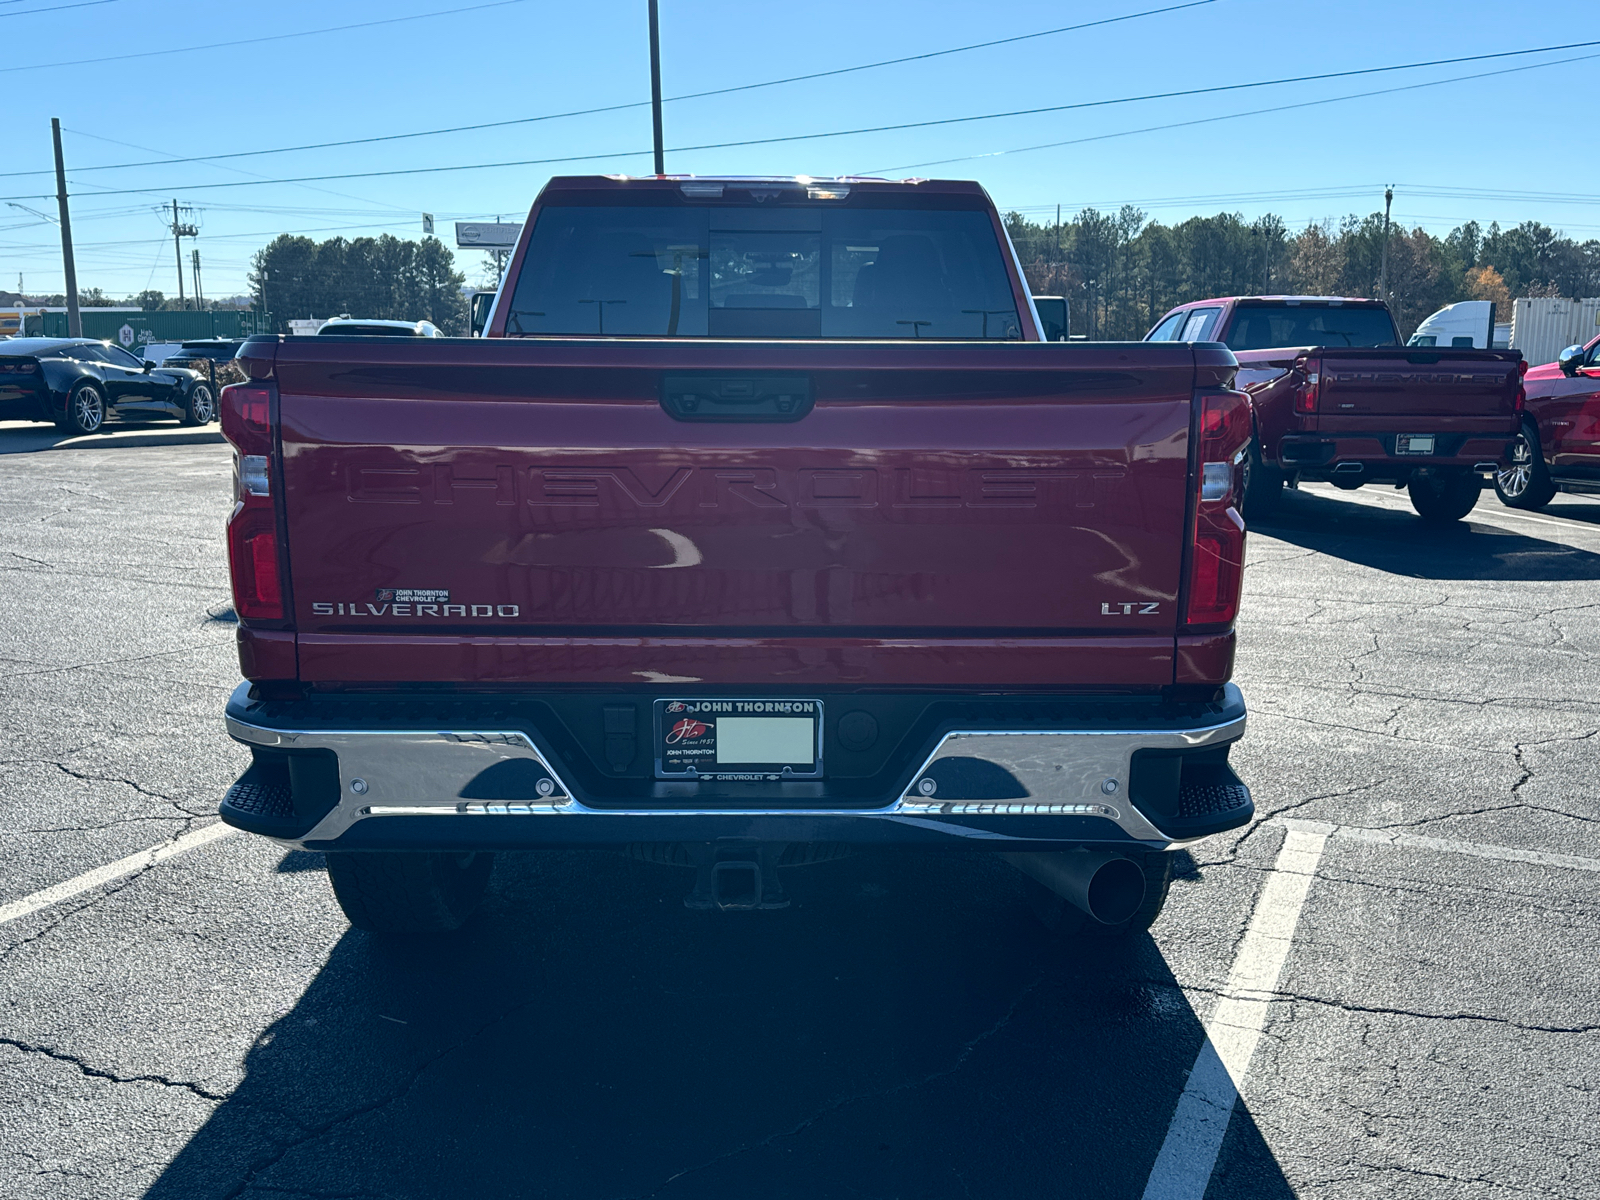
1263 484
409 893
1526 482
86 409
1063 917
1441 499
199 406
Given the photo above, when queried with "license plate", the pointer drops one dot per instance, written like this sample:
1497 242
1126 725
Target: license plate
738 740
1414 443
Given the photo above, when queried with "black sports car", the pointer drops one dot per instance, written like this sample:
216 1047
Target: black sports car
78 382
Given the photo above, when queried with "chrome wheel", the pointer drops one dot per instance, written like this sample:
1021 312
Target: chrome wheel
88 409
1516 478
200 407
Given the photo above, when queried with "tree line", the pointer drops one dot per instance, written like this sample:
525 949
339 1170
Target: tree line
385 278
149 299
1122 272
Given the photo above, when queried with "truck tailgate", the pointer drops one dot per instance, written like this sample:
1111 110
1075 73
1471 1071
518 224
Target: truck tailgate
530 511
1391 390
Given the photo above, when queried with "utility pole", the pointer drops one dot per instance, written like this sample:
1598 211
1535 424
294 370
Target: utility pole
1383 271
179 231
655 85
199 296
74 317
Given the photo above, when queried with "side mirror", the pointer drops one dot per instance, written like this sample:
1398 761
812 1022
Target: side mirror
1570 359
1054 317
148 365
482 302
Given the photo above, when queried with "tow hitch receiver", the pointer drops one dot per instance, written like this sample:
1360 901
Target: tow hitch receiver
734 878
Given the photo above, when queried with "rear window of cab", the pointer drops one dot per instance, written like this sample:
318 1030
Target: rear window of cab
780 272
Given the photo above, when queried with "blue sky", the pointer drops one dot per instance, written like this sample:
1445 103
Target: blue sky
1509 147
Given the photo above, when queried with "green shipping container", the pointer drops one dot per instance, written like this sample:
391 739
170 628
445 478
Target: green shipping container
136 330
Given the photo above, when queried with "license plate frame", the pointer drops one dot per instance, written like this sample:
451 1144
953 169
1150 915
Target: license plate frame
701 729
1415 443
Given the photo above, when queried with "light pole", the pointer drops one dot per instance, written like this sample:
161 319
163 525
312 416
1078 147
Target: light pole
655 85
1383 271
74 317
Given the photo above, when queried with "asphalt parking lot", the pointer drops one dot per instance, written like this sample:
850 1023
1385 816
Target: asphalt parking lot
1395 963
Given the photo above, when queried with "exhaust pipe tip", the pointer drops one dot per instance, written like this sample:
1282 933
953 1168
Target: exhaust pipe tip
1115 891
1109 887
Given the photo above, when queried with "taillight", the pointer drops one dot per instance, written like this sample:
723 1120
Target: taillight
247 417
255 560
1310 389
1216 547
1520 404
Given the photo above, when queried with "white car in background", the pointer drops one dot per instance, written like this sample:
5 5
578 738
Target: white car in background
375 328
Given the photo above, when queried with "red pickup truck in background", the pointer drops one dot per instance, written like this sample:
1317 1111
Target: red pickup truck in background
1558 448
762 524
1335 397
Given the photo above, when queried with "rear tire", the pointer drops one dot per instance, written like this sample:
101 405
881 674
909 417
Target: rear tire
1441 500
402 892
86 409
1063 917
1263 485
199 406
1526 482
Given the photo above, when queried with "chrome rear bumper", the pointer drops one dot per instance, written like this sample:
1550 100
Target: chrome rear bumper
1023 787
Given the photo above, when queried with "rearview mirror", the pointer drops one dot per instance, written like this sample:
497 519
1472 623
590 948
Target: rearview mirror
148 365
1570 359
482 302
1053 316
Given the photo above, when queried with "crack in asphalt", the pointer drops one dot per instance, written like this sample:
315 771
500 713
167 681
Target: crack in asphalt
99 1073
85 777
844 1102
1398 737
111 662
1291 997
95 898
1421 1173
314 1131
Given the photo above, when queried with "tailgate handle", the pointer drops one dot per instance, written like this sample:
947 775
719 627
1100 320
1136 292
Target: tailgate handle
742 396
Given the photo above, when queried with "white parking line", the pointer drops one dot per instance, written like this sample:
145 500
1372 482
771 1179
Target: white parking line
1183 1168
1415 841
112 871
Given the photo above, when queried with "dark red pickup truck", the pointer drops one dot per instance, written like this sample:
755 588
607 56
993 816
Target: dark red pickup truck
762 524
1336 398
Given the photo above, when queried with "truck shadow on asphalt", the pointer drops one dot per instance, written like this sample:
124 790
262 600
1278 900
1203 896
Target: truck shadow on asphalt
1401 543
905 1028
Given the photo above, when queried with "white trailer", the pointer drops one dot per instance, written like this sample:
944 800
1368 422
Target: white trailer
1543 326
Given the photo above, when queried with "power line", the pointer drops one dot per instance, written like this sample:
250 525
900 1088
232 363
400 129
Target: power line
29 12
236 170
608 108
1255 112
873 129
274 37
